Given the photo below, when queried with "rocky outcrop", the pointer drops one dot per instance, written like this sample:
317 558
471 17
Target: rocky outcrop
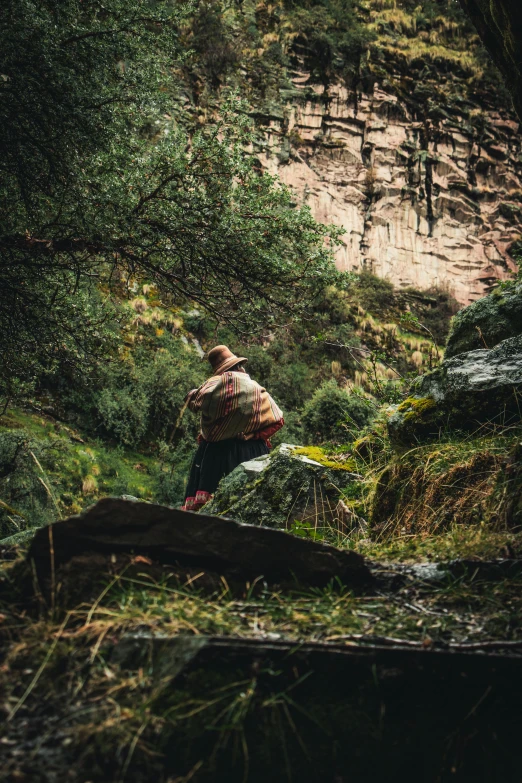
283 490
182 538
431 201
463 393
487 322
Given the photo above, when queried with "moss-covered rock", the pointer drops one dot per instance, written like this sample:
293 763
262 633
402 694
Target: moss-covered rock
487 322
415 419
286 487
462 394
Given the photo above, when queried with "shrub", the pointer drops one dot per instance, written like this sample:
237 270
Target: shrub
292 432
260 363
292 384
25 501
124 413
334 414
143 396
374 293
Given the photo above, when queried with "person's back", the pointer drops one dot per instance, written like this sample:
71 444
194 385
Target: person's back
238 417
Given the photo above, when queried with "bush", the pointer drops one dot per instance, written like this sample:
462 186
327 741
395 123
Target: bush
25 502
291 385
292 432
143 396
124 413
260 363
334 414
375 294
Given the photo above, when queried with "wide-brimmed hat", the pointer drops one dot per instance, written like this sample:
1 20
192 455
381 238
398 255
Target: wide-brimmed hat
222 359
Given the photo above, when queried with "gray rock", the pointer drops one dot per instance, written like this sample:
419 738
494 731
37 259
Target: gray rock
487 322
463 393
286 487
254 467
211 543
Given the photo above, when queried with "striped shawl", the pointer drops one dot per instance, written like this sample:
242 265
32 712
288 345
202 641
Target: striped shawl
232 405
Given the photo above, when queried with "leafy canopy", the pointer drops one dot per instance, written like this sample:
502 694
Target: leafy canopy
103 180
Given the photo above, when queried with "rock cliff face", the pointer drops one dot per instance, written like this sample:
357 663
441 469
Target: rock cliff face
388 118
424 203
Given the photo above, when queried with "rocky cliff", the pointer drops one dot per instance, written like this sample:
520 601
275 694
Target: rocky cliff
388 118
423 204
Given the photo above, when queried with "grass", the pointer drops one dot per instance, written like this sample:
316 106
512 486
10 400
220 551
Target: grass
73 470
459 478
458 542
74 706
64 689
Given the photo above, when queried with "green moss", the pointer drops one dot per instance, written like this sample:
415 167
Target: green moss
318 455
414 407
287 490
487 321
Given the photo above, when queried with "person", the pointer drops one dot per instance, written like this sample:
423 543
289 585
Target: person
238 417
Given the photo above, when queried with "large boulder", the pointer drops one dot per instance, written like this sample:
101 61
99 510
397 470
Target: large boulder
185 539
487 322
463 393
287 486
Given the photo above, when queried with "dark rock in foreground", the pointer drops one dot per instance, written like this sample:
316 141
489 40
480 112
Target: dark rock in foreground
178 537
369 713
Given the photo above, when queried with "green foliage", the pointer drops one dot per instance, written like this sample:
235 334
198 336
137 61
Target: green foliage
293 383
331 36
333 414
488 321
433 309
48 472
142 397
104 179
24 499
213 49
260 364
374 293
124 412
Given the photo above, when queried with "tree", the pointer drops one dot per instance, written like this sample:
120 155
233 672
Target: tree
103 179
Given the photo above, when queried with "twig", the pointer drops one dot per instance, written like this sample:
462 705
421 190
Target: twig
132 748
53 575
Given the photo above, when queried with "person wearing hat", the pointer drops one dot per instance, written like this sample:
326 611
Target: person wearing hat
238 417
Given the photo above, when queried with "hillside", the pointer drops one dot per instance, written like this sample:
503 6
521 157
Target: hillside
388 119
121 428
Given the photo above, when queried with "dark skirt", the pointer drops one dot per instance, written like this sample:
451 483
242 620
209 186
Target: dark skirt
213 461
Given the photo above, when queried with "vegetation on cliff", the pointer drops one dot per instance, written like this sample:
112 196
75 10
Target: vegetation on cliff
104 181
